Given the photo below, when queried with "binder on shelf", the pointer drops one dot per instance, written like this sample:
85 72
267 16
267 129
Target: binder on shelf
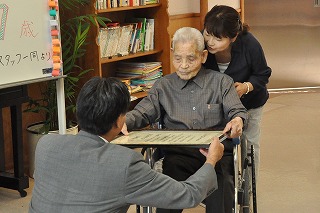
115 40
136 41
102 40
124 39
149 37
133 37
108 3
100 4
110 48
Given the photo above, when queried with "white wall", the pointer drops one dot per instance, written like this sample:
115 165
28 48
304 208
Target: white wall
288 31
281 13
232 3
176 7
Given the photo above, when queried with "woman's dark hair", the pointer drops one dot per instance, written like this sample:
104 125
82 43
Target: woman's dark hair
224 21
100 102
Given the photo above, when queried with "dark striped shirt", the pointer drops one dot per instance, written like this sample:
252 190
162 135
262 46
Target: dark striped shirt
209 100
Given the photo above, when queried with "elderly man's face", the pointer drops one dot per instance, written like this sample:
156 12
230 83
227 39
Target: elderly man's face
187 60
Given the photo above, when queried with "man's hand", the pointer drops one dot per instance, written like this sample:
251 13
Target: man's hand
214 153
124 129
234 128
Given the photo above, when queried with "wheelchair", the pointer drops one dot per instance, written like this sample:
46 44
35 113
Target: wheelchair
244 177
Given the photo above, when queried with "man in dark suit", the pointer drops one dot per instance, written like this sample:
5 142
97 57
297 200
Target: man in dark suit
86 173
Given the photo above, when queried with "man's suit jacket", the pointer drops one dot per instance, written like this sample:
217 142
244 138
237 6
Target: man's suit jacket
83 173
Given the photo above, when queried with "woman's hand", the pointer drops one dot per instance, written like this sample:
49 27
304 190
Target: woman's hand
243 88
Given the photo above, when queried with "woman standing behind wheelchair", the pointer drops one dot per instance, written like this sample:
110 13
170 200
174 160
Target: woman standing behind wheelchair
236 52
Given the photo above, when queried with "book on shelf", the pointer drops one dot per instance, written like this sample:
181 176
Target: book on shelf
108 4
135 35
133 98
102 39
140 37
149 37
143 74
132 89
138 67
143 82
124 39
147 2
128 75
114 3
136 39
100 4
124 3
115 40
135 89
110 47
133 3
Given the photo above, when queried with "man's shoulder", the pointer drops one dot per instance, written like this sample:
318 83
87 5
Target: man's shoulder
82 141
165 80
209 73
53 137
170 76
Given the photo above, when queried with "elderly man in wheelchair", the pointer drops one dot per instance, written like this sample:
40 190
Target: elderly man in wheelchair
193 98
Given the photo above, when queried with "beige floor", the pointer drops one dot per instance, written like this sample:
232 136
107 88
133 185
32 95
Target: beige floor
289 179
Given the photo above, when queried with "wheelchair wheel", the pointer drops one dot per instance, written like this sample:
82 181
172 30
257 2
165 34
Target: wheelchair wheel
145 209
149 210
148 154
246 188
246 204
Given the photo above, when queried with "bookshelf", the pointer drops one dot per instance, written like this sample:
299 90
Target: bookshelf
105 67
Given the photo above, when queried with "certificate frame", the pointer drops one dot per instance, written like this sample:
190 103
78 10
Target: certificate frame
168 138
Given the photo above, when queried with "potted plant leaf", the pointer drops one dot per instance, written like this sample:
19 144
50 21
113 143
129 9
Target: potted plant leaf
74 31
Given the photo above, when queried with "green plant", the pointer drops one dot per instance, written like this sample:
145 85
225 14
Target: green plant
74 31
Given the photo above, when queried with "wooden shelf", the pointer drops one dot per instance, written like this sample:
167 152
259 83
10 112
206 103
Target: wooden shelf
140 94
106 67
135 55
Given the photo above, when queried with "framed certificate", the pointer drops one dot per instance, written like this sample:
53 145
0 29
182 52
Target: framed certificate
158 138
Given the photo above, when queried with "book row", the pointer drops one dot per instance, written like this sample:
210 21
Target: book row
137 35
139 75
107 4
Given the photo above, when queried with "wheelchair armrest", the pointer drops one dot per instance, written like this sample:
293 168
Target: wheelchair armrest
236 141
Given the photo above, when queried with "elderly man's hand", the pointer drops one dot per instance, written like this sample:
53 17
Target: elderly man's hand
234 128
